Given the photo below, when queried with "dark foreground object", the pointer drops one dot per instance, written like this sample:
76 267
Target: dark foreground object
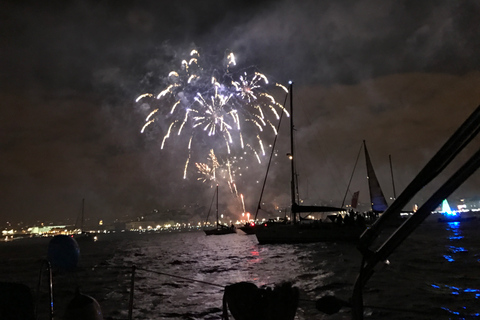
16 302
248 302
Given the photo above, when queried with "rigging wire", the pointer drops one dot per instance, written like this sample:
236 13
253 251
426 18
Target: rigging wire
351 177
211 204
270 159
134 267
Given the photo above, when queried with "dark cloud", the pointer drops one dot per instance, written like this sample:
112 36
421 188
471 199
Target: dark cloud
353 40
400 74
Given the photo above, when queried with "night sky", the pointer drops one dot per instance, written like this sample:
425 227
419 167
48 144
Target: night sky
402 75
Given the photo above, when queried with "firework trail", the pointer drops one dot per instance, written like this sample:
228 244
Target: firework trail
229 112
208 172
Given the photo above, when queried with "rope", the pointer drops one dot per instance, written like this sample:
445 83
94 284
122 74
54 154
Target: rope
183 278
161 273
303 300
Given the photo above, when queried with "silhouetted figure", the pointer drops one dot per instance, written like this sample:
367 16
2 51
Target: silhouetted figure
361 221
350 218
248 302
339 219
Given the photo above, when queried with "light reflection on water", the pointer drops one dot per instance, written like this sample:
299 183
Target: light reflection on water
454 228
462 315
458 254
419 278
315 269
440 264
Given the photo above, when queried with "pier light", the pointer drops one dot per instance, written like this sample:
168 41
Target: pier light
290 156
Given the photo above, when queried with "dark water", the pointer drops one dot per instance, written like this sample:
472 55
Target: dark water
434 274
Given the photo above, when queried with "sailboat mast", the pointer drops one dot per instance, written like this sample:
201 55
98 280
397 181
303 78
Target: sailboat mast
391 173
83 212
351 177
292 158
217 206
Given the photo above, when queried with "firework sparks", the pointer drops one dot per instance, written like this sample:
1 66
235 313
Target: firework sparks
140 97
186 167
231 59
243 203
146 125
208 172
227 111
151 114
282 86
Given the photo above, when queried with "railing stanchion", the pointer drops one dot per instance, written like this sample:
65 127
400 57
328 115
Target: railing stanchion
132 286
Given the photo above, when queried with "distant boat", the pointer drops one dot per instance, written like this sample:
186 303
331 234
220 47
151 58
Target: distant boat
305 230
250 227
378 202
219 228
452 216
377 199
84 236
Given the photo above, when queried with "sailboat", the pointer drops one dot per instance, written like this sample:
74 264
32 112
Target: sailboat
219 228
377 199
378 203
301 229
84 236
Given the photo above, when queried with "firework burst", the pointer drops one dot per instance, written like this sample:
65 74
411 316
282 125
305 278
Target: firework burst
228 112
